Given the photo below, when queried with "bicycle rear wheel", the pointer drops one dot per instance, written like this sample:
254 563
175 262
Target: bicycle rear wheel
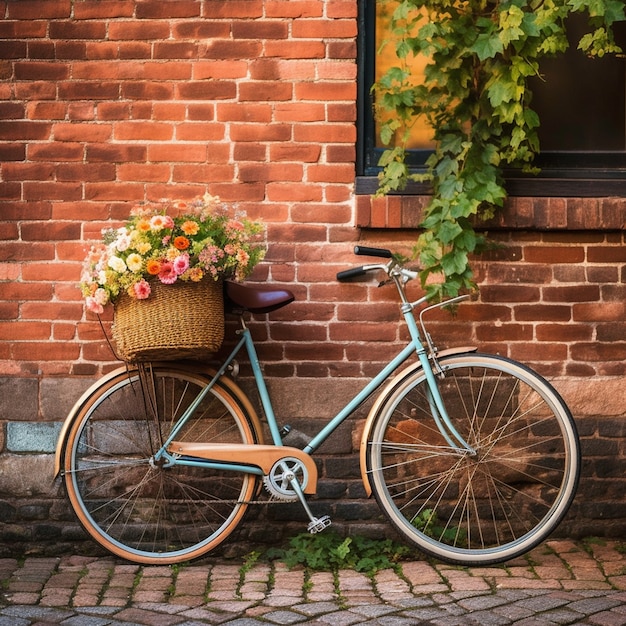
489 506
134 506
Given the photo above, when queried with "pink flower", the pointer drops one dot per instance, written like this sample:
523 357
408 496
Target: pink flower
93 305
168 274
181 264
142 289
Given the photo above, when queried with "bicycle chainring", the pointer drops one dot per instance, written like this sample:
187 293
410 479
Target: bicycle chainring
278 481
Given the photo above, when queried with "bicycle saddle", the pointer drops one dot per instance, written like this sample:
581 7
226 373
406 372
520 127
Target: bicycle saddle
254 298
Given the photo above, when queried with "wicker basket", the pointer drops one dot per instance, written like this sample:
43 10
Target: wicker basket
180 321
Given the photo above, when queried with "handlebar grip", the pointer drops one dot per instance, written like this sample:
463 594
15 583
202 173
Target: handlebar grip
351 273
367 251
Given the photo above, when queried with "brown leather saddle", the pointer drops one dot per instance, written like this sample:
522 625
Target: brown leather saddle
240 298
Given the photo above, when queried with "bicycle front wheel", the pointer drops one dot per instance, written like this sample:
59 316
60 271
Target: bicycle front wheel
135 506
492 503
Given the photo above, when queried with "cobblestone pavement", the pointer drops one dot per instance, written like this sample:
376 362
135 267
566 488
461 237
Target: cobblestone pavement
561 582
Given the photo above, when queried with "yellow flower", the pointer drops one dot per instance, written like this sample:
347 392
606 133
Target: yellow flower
134 262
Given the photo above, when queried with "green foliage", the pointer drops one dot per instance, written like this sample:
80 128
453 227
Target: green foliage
329 551
428 523
480 55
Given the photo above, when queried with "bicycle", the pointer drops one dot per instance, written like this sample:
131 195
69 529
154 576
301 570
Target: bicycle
473 458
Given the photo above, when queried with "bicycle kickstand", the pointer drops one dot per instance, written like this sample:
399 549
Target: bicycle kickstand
317 524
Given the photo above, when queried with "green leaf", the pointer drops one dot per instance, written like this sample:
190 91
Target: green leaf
487 46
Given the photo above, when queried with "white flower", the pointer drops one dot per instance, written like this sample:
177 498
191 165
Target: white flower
117 264
123 241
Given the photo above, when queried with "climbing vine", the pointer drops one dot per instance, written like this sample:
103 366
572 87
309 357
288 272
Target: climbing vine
475 95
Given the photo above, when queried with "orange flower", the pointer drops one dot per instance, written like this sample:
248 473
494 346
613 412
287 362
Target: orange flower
143 225
190 228
181 243
153 267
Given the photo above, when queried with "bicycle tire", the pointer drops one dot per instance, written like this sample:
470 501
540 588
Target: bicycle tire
491 506
136 508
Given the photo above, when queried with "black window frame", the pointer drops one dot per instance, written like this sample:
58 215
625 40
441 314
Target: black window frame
563 174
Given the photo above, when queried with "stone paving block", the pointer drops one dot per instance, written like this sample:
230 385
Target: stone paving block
149 618
285 617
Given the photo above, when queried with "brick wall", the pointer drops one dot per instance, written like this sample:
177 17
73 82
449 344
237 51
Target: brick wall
107 102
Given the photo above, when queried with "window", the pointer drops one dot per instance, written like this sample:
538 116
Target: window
581 105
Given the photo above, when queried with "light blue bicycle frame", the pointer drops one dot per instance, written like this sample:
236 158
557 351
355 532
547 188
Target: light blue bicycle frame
415 346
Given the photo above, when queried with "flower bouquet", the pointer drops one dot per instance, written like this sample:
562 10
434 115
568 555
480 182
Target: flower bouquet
163 273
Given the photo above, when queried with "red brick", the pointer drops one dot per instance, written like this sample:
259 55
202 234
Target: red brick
46 110
57 151
27 171
26 131
182 152
25 331
324 29
295 8
9 310
12 152
260 132
310 213
606 254
116 153
265 91
93 9
86 172
121 192
543 254
11 110
295 50
141 172
565 333
542 312
196 29
137 131
82 132
294 192
33 191
334 173
300 152
51 310
234 9
600 312
40 90
38 352
35 10
200 132
24 291
231 69
270 172
146 90
330 133
172 9
326 90
209 90
138 30
45 231
171 111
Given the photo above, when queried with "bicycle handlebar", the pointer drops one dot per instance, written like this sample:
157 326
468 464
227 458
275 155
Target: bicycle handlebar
360 271
367 251
351 273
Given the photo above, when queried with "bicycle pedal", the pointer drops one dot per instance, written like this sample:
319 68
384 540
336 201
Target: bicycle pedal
319 524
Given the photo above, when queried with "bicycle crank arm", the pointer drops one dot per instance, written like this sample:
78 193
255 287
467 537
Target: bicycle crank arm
262 456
